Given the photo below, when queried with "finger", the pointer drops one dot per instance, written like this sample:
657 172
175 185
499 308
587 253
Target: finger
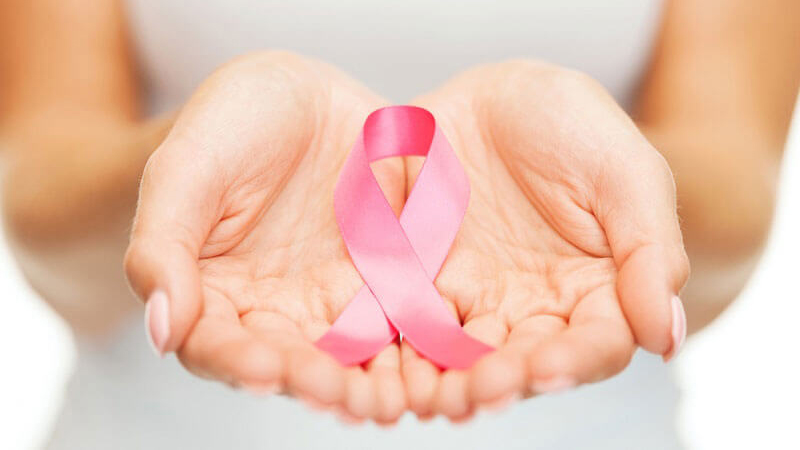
220 348
452 396
360 398
177 204
596 345
636 207
421 379
487 328
390 398
309 373
500 377
180 198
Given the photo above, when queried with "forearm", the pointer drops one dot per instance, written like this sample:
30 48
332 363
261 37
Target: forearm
69 194
717 102
726 186
66 176
73 144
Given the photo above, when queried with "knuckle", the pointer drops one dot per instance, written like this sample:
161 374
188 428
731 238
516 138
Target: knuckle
570 81
660 166
621 353
682 265
529 82
550 76
133 262
525 66
132 258
151 165
618 352
261 69
262 58
661 173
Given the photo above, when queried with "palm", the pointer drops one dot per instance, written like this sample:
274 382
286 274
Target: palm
531 271
290 276
276 251
571 221
273 270
509 262
289 264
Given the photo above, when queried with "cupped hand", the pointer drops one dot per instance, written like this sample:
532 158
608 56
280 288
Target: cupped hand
235 243
570 253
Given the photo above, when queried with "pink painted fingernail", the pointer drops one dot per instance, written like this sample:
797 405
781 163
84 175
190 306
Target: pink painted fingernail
678 328
553 385
156 321
500 403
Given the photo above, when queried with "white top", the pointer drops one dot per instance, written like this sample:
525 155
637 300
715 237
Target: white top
398 48
123 397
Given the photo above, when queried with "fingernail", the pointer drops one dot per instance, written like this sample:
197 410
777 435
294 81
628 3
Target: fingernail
552 385
261 389
156 321
500 403
678 328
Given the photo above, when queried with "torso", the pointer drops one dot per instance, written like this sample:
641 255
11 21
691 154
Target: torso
399 49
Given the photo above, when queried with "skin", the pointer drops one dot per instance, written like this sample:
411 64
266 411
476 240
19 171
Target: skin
716 102
571 229
73 144
256 234
251 226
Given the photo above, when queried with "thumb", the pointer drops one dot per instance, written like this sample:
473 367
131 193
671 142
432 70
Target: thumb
177 205
636 206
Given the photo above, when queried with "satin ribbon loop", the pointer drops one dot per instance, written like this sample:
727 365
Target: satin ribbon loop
398 259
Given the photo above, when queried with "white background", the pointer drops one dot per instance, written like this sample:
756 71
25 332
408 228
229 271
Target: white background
739 376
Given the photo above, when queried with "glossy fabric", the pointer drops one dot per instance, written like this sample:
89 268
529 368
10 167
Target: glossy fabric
399 259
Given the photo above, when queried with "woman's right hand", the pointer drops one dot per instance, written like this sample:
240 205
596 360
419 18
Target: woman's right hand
235 247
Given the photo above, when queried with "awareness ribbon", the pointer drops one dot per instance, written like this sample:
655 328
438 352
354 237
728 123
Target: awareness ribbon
399 259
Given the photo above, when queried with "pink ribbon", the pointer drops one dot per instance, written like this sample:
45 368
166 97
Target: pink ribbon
399 259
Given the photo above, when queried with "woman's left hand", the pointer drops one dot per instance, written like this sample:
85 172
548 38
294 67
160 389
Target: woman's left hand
570 253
